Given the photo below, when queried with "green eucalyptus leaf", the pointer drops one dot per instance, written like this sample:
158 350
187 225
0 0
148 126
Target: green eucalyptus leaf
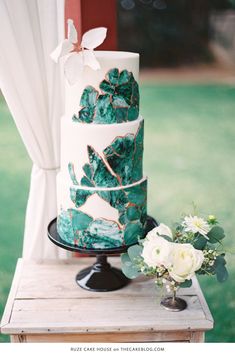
125 259
186 283
220 269
134 252
199 241
220 260
221 274
216 234
128 269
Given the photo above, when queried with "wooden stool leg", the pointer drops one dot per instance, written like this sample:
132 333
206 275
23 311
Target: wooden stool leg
197 337
18 339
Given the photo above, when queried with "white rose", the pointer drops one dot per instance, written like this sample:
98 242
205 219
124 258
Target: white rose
162 229
185 261
156 251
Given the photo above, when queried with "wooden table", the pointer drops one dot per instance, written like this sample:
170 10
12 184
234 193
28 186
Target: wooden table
46 305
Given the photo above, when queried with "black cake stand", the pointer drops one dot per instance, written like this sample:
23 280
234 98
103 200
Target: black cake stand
101 276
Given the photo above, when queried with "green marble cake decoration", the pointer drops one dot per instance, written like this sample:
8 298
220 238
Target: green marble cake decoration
117 101
77 227
124 158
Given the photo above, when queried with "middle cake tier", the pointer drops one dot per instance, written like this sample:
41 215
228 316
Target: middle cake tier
107 155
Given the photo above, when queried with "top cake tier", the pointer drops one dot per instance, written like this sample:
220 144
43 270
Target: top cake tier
107 95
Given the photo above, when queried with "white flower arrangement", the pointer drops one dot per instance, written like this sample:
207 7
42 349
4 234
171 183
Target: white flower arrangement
174 256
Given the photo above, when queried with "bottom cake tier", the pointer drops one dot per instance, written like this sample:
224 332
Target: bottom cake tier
101 218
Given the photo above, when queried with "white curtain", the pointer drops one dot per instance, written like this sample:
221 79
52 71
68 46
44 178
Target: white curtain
32 86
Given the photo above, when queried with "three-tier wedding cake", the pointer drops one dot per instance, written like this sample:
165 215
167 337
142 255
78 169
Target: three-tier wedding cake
101 190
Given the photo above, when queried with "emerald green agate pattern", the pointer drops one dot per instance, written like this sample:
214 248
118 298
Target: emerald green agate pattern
81 229
117 101
124 158
77 228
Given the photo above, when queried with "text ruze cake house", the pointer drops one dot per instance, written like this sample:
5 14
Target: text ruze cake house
101 190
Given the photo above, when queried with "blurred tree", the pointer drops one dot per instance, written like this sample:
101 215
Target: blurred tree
168 32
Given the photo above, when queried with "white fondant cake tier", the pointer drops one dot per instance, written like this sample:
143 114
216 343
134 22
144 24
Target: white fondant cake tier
99 218
120 146
89 77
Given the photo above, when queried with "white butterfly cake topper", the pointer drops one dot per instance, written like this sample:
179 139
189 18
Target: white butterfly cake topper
80 54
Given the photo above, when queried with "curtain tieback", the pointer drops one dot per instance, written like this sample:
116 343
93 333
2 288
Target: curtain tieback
47 169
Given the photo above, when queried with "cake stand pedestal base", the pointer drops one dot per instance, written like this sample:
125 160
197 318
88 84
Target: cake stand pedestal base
101 276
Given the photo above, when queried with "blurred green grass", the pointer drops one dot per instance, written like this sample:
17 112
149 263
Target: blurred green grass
189 157
14 185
